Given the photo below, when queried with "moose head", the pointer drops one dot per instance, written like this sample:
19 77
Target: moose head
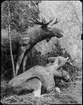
47 29
59 72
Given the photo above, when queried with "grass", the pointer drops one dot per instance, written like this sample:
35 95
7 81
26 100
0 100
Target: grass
47 99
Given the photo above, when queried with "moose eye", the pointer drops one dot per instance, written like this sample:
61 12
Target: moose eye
49 28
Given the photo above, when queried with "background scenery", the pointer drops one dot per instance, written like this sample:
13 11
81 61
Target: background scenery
69 14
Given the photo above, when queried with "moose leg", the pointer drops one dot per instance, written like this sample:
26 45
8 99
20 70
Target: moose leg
20 58
37 91
35 84
57 89
24 63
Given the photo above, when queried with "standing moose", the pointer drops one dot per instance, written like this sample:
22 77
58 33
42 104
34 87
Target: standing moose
24 42
40 32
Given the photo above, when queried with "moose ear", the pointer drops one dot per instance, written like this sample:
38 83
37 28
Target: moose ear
69 61
61 61
52 59
57 61
67 58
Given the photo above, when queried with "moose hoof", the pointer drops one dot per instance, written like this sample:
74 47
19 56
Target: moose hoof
58 90
37 93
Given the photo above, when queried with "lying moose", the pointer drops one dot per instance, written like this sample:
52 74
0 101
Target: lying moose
38 76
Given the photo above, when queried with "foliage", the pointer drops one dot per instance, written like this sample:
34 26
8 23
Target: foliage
57 50
21 12
35 58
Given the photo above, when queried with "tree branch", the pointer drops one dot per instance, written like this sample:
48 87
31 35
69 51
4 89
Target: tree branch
9 36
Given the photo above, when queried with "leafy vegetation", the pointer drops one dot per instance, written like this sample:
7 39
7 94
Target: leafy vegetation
20 12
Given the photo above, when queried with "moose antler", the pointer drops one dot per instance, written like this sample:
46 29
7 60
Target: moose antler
54 22
37 21
50 21
43 22
57 20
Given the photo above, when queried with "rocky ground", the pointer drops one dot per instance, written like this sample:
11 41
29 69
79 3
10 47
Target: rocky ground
69 95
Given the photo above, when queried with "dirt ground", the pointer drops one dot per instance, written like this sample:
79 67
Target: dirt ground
70 95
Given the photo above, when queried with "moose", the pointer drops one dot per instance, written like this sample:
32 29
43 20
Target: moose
44 77
22 43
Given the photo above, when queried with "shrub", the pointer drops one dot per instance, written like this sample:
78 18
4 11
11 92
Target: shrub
36 58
